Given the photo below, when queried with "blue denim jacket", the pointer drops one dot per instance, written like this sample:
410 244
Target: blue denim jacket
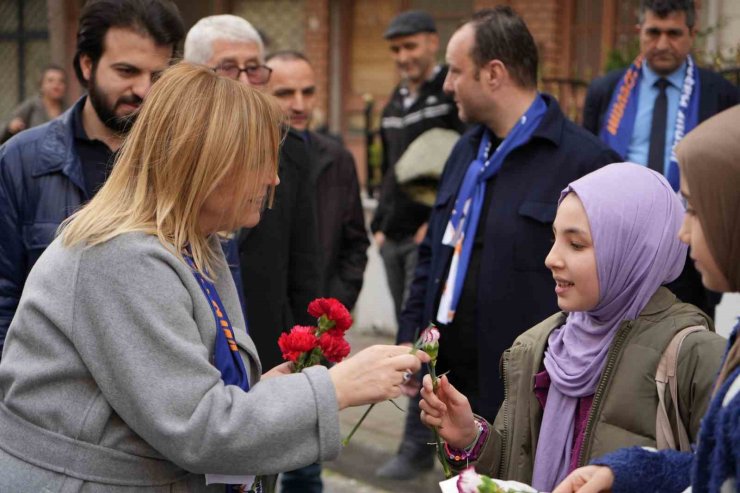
41 184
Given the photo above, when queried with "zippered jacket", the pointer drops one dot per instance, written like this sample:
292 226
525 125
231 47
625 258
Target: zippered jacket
626 400
398 216
713 466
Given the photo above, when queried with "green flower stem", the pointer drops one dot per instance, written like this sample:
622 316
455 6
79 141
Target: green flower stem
396 405
345 442
437 438
325 323
308 359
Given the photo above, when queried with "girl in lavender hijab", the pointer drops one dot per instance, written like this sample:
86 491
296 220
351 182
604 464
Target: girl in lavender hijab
710 181
582 383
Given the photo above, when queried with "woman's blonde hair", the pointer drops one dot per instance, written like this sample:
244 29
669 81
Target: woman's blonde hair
194 130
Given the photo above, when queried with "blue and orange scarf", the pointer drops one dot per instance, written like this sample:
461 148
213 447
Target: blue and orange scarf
226 357
620 119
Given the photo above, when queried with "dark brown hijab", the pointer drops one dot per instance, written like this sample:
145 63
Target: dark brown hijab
709 158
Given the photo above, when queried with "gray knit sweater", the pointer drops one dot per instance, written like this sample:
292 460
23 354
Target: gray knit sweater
106 381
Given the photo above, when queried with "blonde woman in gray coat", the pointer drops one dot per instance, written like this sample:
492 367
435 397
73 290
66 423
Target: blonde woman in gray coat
117 374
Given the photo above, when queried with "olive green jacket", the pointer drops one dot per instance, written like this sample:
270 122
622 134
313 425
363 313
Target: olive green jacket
626 400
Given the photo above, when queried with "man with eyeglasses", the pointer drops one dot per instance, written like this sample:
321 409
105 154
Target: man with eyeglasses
257 75
643 111
278 260
277 264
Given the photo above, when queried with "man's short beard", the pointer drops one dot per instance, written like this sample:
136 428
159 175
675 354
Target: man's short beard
107 115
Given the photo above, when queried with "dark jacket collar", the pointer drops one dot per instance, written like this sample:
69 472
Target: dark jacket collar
550 128
660 301
57 151
436 82
293 148
320 149
429 87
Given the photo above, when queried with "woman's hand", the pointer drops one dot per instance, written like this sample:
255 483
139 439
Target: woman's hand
588 479
410 387
374 374
280 370
449 411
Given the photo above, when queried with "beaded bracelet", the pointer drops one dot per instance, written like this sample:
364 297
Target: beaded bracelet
472 451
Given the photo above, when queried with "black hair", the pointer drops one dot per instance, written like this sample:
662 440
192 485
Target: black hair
288 55
158 19
662 8
500 34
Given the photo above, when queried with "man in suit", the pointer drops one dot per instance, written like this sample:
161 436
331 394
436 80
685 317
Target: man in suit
644 110
342 234
341 222
481 273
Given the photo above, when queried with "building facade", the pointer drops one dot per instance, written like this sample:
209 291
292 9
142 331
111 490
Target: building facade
577 39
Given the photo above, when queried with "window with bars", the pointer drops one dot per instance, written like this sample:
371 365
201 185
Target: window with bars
24 49
281 22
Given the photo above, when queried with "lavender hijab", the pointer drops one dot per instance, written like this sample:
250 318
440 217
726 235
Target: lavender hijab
634 216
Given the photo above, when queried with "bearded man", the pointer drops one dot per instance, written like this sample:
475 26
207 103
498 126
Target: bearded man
48 172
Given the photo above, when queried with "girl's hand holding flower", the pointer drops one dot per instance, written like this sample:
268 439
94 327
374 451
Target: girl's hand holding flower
449 411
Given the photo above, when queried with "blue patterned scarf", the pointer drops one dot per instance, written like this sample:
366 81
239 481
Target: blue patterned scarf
460 232
620 119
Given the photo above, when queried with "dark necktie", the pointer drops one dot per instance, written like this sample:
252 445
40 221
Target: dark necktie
656 155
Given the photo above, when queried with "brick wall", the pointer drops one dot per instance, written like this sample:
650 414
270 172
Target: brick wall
544 19
317 49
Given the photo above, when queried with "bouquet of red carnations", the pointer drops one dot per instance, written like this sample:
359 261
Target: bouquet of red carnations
307 345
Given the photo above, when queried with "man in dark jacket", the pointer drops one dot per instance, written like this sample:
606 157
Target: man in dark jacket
279 262
341 221
643 111
342 234
47 172
418 104
481 273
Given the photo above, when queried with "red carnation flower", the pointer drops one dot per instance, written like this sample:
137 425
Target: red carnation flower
301 339
334 310
334 347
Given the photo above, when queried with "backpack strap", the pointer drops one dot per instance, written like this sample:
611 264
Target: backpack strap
666 374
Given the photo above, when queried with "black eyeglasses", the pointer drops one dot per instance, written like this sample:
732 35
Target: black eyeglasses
256 74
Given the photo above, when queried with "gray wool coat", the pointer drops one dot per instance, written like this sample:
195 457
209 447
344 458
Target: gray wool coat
107 385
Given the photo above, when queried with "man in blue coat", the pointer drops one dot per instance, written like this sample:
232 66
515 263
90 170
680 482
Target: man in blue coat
644 110
481 274
47 172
